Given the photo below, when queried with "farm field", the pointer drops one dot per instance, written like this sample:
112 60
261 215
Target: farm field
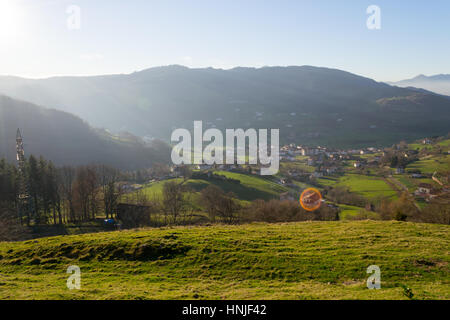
431 164
408 182
419 146
255 182
305 260
369 187
298 165
251 187
328 181
348 211
445 143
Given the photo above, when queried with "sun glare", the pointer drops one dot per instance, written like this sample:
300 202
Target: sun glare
11 19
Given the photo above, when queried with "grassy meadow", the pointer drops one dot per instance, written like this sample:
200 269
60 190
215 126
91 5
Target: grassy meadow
369 187
251 187
305 260
431 164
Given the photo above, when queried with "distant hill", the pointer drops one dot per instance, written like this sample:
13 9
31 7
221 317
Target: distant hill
309 105
66 139
438 83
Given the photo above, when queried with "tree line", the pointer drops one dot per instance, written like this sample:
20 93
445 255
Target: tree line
58 195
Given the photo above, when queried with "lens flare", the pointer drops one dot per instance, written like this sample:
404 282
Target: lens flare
310 199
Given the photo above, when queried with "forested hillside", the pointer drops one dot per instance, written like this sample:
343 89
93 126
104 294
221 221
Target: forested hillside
309 105
67 140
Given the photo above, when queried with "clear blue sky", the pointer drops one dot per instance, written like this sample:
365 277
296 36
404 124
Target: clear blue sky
122 36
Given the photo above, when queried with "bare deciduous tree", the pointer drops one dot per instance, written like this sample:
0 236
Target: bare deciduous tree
173 202
111 189
217 203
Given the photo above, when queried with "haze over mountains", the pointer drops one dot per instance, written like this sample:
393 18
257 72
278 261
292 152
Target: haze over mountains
438 83
309 105
66 139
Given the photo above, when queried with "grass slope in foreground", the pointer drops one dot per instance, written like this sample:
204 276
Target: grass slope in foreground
307 260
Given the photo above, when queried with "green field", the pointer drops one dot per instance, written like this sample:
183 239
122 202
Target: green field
328 181
254 182
440 164
408 182
445 143
419 146
306 260
347 212
251 187
300 165
369 187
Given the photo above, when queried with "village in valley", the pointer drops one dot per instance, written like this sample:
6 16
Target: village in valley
418 171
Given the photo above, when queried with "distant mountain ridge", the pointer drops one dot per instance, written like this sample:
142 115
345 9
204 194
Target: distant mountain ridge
309 105
439 83
67 140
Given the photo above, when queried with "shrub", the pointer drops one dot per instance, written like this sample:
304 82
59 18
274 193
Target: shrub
344 196
220 204
434 213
